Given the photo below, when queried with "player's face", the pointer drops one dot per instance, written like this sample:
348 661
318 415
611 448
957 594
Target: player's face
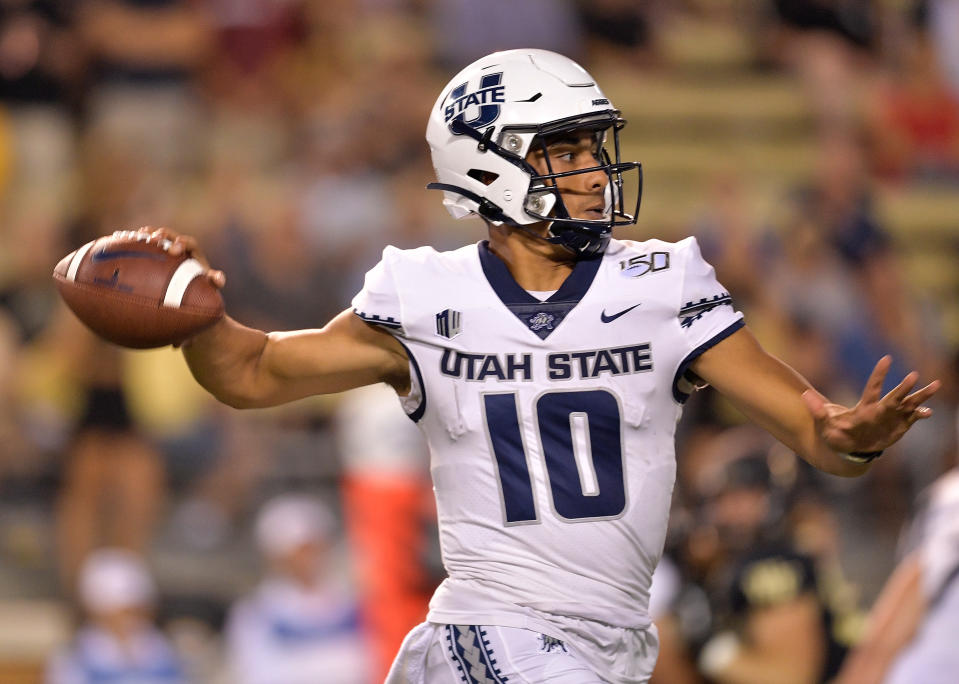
584 194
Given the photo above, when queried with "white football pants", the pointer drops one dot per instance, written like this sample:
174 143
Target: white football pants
476 654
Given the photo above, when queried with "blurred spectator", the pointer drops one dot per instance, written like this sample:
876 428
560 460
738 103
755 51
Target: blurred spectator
113 482
732 242
15 456
775 614
727 236
828 44
251 38
213 457
390 517
854 22
300 625
674 664
914 119
143 55
618 27
38 54
811 284
31 430
912 627
841 273
253 83
41 70
943 21
117 642
279 280
38 232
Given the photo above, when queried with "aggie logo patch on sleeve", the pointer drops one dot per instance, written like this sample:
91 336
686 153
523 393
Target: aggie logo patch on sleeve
448 323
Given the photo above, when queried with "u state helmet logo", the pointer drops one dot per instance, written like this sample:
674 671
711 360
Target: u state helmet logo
487 98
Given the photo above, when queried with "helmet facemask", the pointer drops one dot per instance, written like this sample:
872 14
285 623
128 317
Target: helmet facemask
544 200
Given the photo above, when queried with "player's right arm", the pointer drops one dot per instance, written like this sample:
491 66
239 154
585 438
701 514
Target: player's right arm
248 368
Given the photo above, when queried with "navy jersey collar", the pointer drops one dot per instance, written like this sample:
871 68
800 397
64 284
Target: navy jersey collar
540 317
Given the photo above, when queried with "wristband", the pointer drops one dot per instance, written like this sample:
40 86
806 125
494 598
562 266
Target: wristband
862 457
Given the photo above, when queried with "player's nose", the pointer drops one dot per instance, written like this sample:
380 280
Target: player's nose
595 180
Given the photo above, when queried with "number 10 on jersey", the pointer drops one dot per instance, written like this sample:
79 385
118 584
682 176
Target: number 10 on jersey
581 439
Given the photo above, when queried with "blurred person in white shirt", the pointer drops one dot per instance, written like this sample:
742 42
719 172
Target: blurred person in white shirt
299 625
911 634
118 642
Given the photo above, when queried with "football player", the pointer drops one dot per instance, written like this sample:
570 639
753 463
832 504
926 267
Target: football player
911 635
547 367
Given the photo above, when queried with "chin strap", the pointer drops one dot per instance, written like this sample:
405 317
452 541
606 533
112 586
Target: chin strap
579 241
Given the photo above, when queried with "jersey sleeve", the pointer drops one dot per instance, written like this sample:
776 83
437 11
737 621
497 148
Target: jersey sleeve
378 302
706 314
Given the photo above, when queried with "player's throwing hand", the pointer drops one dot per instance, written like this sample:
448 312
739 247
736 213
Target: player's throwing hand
186 244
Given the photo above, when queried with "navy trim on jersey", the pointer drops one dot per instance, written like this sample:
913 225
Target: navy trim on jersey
421 409
678 394
475 662
388 322
693 311
540 317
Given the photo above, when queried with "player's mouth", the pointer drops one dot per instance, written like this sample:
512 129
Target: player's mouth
596 213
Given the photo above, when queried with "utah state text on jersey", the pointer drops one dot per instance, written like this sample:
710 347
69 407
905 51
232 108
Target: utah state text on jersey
592 363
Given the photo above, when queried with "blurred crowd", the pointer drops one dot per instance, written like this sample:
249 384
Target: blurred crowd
184 541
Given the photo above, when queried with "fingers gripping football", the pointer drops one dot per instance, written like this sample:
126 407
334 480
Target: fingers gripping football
185 244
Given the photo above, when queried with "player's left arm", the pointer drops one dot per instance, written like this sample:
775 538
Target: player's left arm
780 400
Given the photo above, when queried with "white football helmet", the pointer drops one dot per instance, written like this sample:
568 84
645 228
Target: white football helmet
485 122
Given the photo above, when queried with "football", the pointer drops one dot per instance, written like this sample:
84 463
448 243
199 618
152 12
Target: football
131 291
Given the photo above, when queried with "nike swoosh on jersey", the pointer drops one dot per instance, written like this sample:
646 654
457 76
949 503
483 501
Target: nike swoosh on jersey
609 319
103 255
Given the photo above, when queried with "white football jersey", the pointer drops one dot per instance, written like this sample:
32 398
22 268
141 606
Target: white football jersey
550 424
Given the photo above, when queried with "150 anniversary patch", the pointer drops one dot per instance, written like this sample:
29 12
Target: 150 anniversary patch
643 264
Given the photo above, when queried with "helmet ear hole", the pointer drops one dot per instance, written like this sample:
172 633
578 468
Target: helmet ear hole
484 177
